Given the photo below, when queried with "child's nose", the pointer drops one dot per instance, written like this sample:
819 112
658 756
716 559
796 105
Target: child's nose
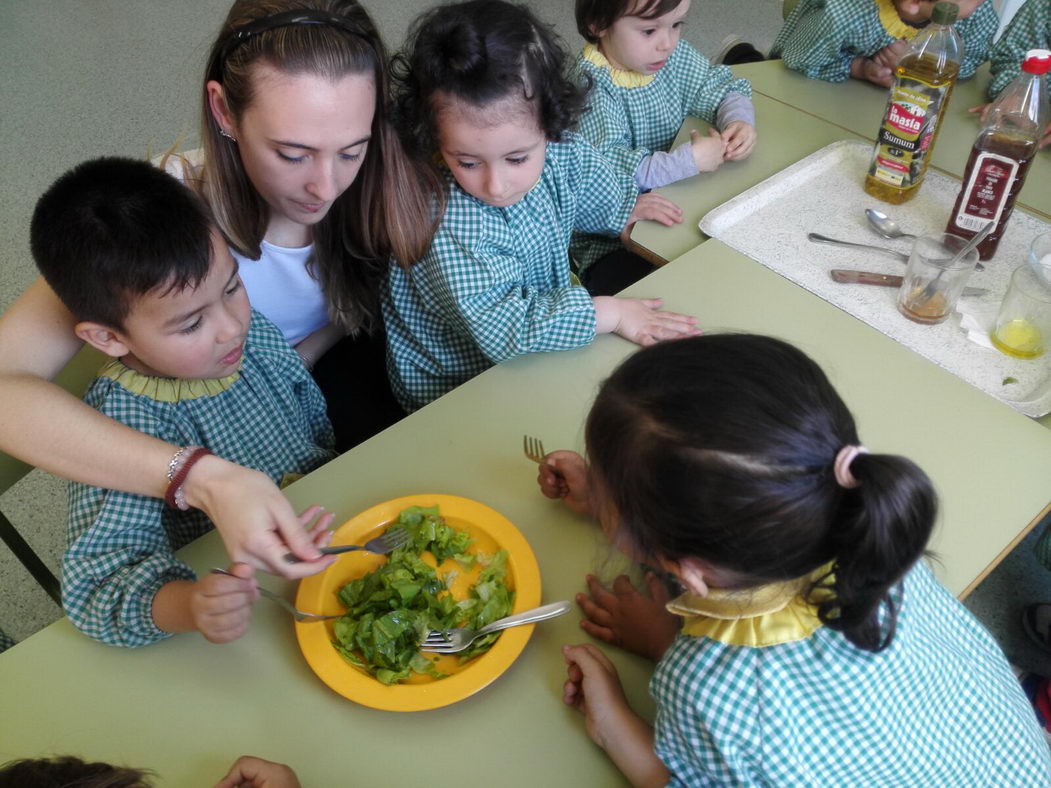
231 325
494 183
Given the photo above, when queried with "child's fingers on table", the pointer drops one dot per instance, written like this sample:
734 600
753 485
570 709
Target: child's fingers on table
596 613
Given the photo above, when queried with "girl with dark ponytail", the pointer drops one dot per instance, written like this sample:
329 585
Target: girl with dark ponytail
811 645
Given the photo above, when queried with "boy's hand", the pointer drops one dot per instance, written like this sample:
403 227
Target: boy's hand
565 476
221 606
641 320
708 152
257 773
740 140
623 617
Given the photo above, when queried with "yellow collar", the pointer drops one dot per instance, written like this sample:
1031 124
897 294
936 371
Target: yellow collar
754 617
621 77
165 389
892 23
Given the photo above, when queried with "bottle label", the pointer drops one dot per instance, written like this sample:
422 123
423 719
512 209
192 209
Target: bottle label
986 191
907 131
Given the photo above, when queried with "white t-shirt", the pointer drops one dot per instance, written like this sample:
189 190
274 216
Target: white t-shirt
280 287
278 283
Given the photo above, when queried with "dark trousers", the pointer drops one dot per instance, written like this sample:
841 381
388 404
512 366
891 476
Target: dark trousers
353 377
612 273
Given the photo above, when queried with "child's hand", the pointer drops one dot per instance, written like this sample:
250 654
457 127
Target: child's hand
593 688
708 152
565 476
653 208
982 110
221 605
889 56
257 773
623 617
867 69
740 140
641 320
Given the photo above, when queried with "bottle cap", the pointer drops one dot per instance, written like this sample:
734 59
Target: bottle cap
945 13
1037 61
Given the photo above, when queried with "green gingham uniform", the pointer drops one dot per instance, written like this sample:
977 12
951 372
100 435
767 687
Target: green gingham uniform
1029 29
121 546
627 124
821 37
938 708
496 282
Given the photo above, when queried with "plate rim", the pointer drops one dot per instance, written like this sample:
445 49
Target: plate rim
446 691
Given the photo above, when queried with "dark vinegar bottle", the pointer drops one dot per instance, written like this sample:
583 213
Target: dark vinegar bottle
1002 154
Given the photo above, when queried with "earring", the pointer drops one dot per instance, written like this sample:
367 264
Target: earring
228 135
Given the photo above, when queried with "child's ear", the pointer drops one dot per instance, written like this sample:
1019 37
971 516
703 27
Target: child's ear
101 338
690 573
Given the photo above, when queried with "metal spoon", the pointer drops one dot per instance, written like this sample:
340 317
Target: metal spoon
888 228
824 239
884 225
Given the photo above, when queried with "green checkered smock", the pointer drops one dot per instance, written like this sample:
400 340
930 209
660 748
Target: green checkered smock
627 124
820 38
270 416
496 282
1030 28
938 708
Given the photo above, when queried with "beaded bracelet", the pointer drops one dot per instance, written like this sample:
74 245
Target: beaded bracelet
178 469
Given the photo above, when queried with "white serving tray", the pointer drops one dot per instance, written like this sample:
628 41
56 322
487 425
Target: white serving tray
823 194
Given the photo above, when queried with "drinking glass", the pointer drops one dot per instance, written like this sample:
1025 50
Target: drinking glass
932 282
1024 323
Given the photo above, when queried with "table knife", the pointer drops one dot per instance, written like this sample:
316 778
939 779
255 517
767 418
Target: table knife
845 276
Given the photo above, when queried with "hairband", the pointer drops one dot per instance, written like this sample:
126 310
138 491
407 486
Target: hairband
841 466
308 16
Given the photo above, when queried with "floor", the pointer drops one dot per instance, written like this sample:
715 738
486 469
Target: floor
109 77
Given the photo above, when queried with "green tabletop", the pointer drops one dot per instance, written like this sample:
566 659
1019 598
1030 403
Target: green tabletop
786 135
186 708
858 106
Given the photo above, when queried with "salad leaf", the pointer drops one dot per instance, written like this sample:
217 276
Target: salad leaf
391 609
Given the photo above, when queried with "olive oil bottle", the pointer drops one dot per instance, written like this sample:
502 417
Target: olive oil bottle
924 79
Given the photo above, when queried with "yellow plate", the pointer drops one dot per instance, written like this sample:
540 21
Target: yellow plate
491 531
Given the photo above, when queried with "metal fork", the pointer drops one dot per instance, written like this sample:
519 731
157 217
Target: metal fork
534 449
381 545
450 641
297 614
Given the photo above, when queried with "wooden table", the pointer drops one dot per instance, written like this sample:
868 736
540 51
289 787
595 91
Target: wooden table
186 708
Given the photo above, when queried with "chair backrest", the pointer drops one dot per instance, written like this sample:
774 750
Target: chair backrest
75 377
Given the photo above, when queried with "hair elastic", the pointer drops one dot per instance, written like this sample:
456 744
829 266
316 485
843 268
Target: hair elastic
841 466
307 16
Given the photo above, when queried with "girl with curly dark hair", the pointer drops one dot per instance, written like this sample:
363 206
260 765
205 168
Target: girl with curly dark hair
482 91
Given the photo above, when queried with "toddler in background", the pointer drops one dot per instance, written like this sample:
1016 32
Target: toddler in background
837 39
812 645
136 258
1030 28
644 81
483 89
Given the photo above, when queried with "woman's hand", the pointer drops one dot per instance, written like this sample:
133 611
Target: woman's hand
251 772
641 320
564 475
708 151
256 522
623 617
740 139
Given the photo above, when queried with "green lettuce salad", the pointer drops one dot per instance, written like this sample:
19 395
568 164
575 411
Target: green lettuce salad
391 609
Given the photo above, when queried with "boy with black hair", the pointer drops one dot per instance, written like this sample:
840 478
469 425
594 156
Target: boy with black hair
135 256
